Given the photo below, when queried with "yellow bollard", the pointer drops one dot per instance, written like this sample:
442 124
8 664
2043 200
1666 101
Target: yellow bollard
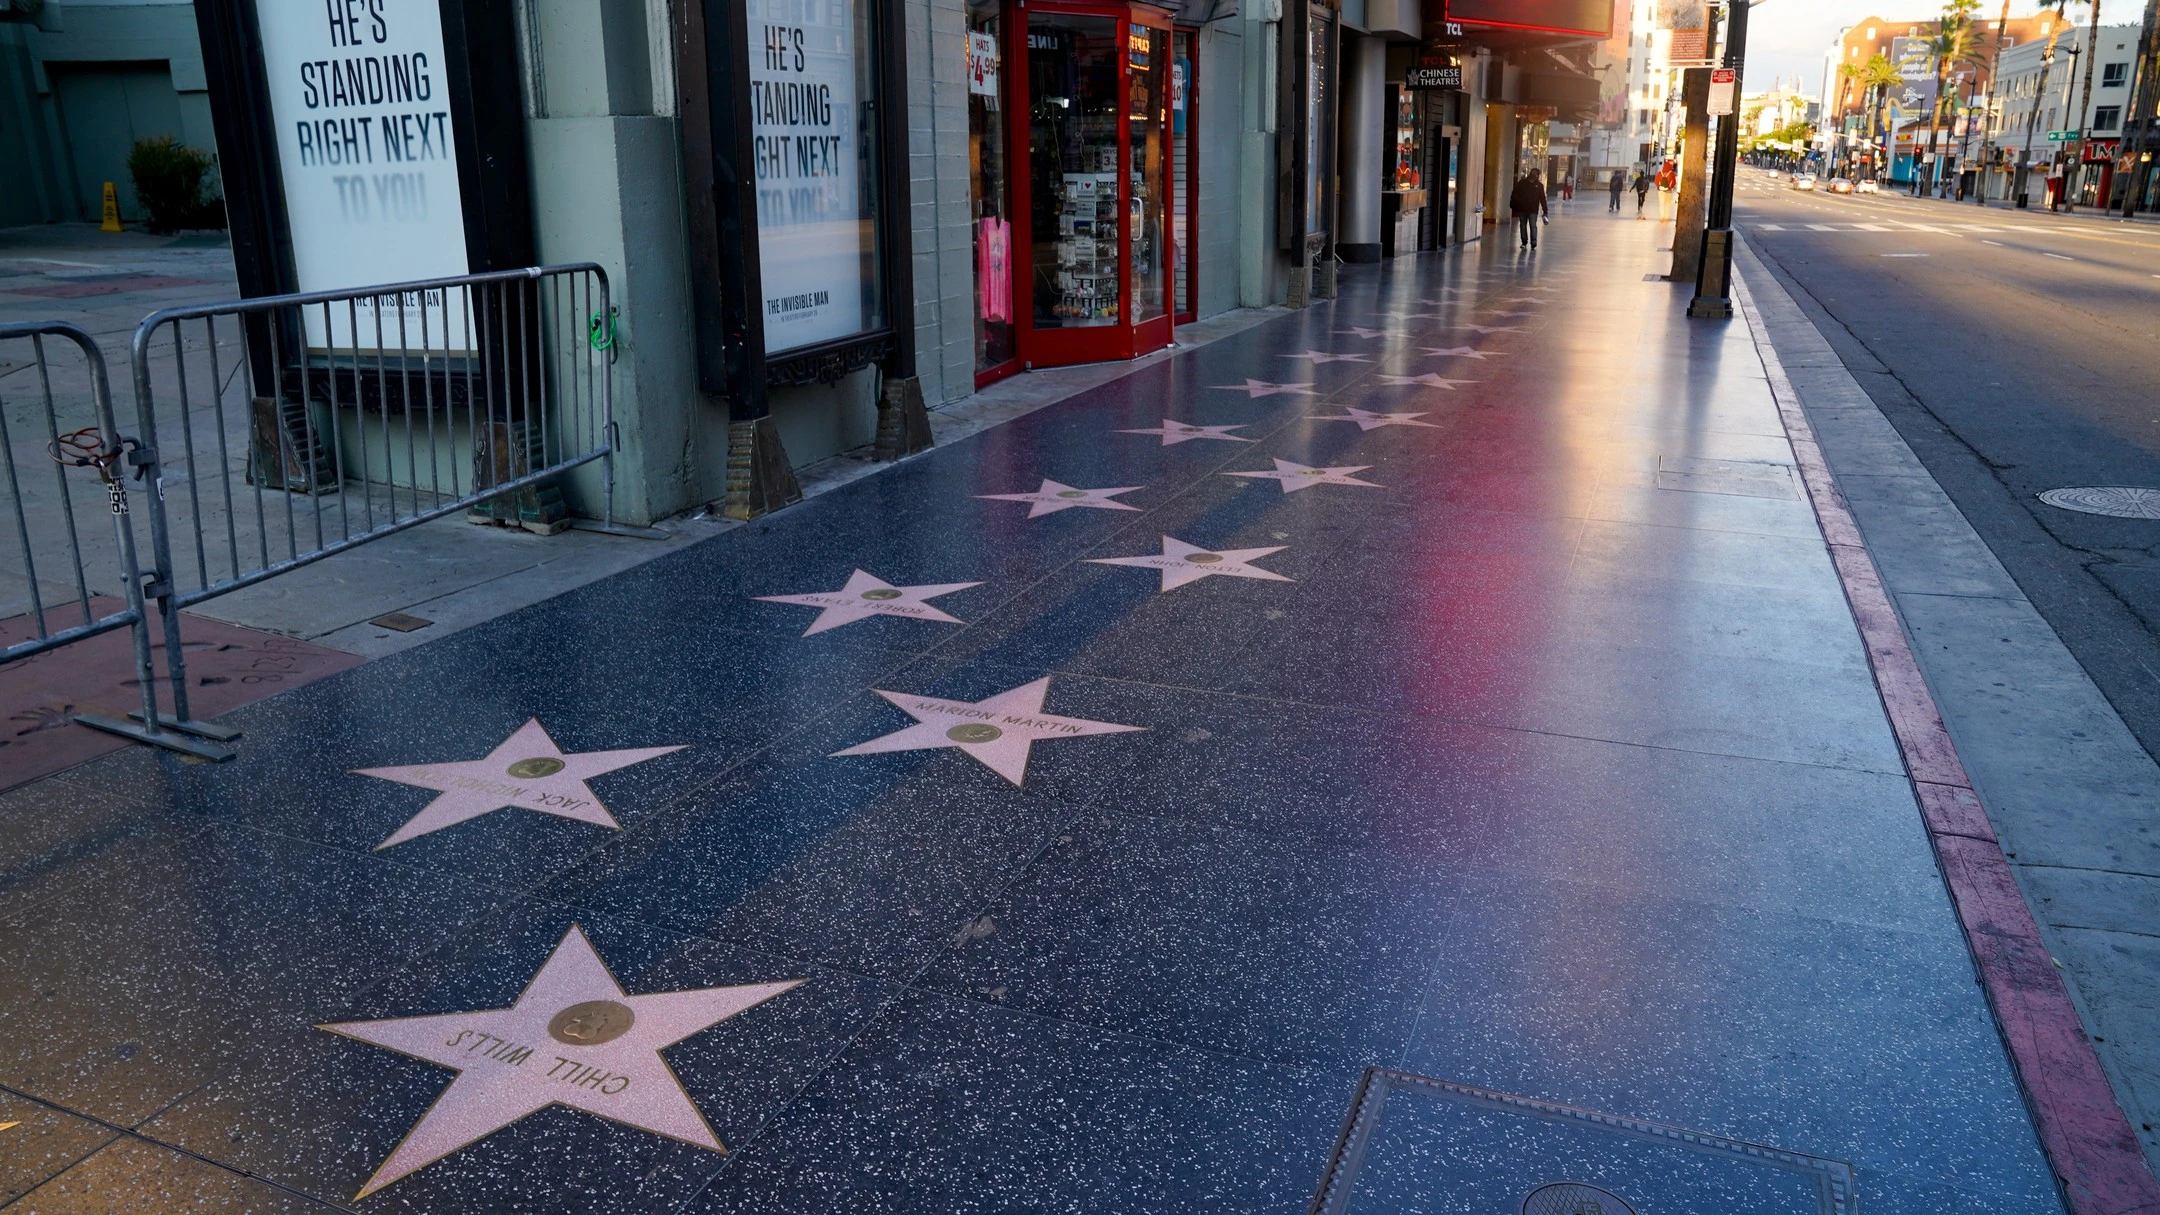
112 210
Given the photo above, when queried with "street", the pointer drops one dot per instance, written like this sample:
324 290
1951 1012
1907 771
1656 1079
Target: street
2010 350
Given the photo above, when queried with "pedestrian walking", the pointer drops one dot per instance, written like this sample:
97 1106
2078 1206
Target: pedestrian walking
1642 190
1619 186
1528 205
1567 188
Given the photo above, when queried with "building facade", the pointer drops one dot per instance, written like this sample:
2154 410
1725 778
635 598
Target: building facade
2039 105
79 84
1017 184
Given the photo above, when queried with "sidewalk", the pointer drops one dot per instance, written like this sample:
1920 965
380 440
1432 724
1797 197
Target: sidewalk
1456 770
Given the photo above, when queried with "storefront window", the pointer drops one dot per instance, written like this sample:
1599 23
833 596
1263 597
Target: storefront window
1147 53
1184 137
993 234
1319 82
1409 165
1073 168
813 97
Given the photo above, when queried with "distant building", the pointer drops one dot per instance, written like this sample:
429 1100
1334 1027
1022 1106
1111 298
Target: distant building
79 84
2040 96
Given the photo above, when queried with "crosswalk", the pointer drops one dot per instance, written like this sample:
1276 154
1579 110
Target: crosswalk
1938 229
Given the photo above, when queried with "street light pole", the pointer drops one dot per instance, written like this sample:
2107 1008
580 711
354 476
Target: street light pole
1713 274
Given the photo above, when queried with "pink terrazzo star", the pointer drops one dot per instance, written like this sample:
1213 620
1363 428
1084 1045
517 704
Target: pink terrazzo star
1181 563
867 595
1368 420
1054 497
528 772
573 1038
1431 379
1262 388
1294 477
997 731
1174 433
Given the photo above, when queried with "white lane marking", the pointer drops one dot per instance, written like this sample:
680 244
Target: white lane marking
1821 228
1871 227
1998 244
1769 227
2058 257
1904 255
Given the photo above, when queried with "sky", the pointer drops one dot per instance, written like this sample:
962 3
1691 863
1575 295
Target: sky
1788 37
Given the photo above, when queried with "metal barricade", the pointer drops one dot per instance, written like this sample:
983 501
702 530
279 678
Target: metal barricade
282 430
70 425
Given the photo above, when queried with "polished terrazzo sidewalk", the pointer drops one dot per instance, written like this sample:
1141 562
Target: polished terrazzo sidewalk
1438 703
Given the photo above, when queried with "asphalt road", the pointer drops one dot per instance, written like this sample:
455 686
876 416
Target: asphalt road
2016 352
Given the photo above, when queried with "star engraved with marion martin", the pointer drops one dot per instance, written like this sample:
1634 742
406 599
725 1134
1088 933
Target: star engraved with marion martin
1431 379
867 595
1294 477
1053 497
1261 388
1368 420
1181 563
528 772
996 731
1174 433
573 1038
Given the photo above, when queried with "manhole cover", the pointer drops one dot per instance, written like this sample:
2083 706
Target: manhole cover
1418 1143
2120 501
1573 1198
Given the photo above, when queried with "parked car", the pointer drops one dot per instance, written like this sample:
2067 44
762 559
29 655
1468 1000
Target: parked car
1868 186
1803 181
1840 185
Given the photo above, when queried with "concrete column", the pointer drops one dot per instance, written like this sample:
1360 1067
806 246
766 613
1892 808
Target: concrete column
606 187
1364 106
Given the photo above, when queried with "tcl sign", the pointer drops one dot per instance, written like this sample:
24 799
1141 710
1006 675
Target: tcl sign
1592 17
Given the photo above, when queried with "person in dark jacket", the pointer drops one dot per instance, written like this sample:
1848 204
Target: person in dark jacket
1619 187
1528 205
1642 190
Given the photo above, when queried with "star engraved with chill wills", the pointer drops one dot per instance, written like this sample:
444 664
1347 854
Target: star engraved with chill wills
573 1038
527 772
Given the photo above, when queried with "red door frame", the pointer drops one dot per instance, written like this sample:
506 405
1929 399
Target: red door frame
1181 37
1093 343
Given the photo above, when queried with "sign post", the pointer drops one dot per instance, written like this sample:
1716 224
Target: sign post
1723 82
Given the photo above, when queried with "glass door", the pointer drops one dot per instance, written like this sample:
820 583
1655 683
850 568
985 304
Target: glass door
1094 123
997 349
1147 112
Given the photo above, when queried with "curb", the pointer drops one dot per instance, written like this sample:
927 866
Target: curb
2095 1156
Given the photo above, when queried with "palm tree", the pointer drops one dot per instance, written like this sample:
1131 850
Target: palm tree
1954 42
1880 75
2092 48
2061 9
